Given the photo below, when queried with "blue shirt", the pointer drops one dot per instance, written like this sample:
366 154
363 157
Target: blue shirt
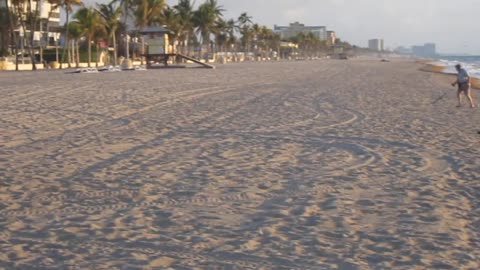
463 76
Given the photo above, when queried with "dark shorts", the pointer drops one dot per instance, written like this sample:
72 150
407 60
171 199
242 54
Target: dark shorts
464 87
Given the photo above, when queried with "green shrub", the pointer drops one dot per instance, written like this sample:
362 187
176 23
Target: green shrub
50 55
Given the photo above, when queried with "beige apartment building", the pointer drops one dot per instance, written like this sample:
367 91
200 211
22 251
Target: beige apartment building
288 32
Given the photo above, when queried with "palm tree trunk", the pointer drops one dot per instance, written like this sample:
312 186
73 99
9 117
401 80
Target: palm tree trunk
77 62
134 51
66 39
16 57
69 54
97 59
72 50
32 33
2 42
69 64
56 52
186 45
48 31
21 36
174 49
89 40
71 47
41 51
41 40
114 49
8 21
13 36
142 51
127 45
206 43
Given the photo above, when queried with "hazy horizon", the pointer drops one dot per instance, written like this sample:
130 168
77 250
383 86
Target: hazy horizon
449 24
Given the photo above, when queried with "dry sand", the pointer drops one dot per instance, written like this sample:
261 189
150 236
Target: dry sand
284 165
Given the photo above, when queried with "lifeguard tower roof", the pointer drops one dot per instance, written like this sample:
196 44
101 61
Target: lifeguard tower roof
155 29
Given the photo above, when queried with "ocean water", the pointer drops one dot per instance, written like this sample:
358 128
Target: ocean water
468 59
469 62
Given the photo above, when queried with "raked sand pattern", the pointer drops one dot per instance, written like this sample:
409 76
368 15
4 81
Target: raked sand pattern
284 165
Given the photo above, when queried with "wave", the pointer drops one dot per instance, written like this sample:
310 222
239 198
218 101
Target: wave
448 67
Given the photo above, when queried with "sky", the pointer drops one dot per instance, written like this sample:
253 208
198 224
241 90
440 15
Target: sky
451 24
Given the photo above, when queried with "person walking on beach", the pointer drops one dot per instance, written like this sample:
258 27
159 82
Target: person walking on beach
464 82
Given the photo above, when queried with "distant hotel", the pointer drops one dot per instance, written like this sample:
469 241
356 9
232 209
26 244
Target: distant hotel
376 45
291 31
427 50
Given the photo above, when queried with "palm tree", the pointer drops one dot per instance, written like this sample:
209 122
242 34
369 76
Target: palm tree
68 6
28 21
4 30
256 31
301 40
262 37
90 23
100 35
225 33
127 6
221 34
173 21
111 21
308 43
247 37
148 13
184 10
244 19
12 19
33 19
75 32
244 24
205 19
229 28
272 41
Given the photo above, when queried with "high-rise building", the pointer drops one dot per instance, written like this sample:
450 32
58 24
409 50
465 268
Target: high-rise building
288 32
376 45
427 50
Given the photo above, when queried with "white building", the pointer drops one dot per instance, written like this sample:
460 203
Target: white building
376 45
288 32
48 29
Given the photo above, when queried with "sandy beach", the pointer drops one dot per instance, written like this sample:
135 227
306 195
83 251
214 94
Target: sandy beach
327 164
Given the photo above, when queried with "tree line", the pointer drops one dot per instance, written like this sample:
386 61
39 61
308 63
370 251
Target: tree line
200 30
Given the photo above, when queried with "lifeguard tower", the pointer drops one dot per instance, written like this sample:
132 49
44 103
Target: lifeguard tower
159 52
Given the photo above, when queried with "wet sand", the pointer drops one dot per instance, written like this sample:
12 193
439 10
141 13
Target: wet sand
287 165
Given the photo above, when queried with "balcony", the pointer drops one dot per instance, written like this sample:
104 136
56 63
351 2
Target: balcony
54 15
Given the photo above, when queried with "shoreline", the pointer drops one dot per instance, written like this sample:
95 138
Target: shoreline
446 69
